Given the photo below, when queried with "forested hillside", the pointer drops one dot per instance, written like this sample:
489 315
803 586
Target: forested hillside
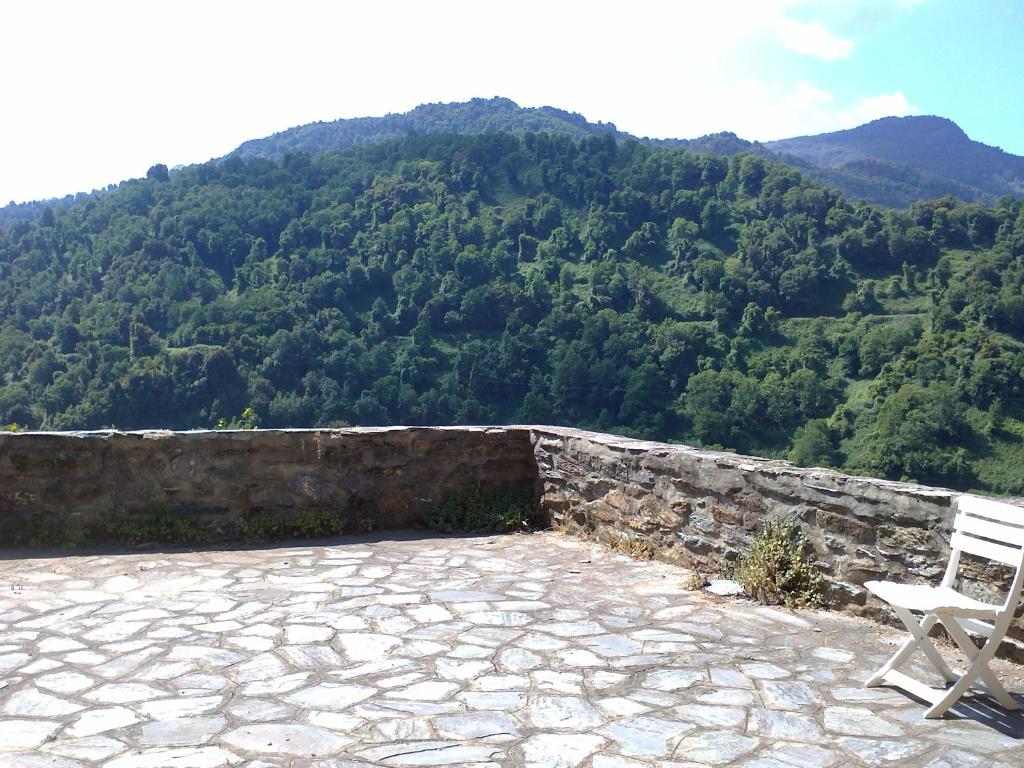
534 278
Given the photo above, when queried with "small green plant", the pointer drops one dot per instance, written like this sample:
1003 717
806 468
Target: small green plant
171 528
248 420
477 509
697 581
260 525
628 544
367 522
159 527
778 569
40 532
316 524
74 535
12 427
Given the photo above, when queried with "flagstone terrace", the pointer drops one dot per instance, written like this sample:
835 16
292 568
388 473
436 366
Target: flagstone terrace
516 650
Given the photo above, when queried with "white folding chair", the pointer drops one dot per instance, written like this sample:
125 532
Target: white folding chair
990 529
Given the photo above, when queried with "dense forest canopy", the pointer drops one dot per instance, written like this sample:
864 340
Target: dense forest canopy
530 278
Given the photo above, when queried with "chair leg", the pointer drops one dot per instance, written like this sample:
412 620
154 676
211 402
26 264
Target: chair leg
920 633
971 651
918 639
895 662
959 688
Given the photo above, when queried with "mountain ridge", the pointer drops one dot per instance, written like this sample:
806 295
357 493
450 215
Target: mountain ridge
892 161
930 144
910 158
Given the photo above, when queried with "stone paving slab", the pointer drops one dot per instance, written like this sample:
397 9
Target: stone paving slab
534 650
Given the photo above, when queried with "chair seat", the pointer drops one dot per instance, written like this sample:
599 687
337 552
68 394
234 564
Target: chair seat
921 597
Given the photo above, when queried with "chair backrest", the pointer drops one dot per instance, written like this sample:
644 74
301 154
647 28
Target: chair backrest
993 530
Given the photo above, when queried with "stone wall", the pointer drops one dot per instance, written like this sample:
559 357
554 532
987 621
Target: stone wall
693 506
369 477
702 508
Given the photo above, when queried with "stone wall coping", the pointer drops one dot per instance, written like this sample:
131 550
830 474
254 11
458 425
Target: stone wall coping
744 463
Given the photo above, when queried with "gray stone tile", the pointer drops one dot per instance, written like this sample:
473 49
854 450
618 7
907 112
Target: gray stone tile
331 696
784 694
493 726
90 748
711 715
286 739
784 755
673 679
782 725
555 750
18 733
647 736
423 753
715 747
186 757
881 751
184 731
31 702
858 721
562 713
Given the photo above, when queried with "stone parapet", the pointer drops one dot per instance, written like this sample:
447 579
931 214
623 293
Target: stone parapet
379 477
693 506
702 508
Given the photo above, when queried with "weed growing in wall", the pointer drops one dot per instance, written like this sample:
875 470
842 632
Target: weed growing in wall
483 509
158 527
262 525
778 568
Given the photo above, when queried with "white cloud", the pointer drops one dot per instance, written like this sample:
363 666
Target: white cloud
812 39
865 110
765 111
773 110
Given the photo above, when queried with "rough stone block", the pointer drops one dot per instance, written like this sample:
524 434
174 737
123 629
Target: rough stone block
846 527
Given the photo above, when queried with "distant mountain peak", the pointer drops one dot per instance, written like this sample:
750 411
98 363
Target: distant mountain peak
932 155
494 114
918 127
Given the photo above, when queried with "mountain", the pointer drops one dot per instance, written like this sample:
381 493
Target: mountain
494 115
893 161
541 278
896 160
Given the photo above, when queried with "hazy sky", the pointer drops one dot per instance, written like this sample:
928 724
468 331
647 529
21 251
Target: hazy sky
95 92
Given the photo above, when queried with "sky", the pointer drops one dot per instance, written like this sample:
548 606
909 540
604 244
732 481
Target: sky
96 92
